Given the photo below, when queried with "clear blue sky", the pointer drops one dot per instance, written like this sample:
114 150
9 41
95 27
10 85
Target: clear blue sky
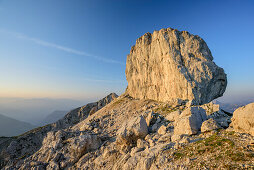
77 49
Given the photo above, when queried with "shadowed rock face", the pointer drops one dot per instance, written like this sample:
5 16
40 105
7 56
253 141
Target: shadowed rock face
171 65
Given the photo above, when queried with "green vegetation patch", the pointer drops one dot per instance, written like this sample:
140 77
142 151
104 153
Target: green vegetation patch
118 101
178 155
166 109
217 147
215 141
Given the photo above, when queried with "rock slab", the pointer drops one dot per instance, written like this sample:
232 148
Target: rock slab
132 130
171 66
190 121
243 119
209 125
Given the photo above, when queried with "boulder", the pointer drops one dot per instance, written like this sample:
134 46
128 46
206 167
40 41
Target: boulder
243 119
214 111
190 121
84 143
173 115
211 108
209 125
171 65
132 130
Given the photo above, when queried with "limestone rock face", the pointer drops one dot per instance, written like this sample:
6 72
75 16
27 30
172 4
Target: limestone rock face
171 65
79 114
209 125
243 119
65 147
84 143
214 111
32 141
190 121
173 116
101 145
132 130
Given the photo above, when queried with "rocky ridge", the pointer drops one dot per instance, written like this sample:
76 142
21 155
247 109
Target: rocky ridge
30 142
143 139
13 127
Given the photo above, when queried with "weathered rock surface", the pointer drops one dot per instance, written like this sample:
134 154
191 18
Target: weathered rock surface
214 111
173 116
79 114
132 130
162 130
243 119
173 66
211 108
34 138
62 149
209 125
190 121
93 143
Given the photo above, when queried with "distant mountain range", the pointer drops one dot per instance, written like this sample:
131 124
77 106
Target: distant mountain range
35 110
232 106
53 117
13 127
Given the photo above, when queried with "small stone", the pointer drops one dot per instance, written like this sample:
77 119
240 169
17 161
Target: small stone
185 140
151 142
176 137
140 143
156 137
162 130
148 137
97 130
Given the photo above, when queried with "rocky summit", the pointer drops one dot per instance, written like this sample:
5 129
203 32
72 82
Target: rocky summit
173 66
164 120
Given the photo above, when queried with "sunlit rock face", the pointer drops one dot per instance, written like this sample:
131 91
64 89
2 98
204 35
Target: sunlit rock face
243 119
172 66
